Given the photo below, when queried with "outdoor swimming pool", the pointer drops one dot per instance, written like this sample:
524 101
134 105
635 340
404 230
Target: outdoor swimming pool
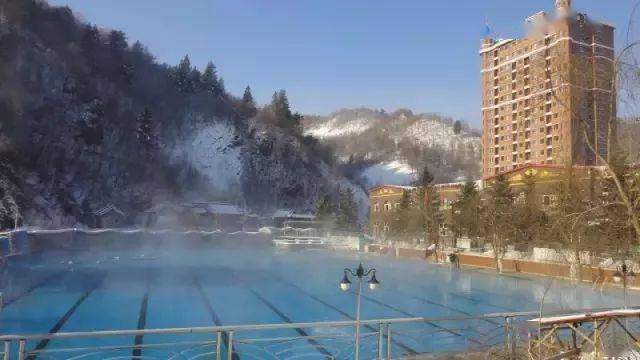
160 287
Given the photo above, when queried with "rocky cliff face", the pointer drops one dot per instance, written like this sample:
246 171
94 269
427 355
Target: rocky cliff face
87 119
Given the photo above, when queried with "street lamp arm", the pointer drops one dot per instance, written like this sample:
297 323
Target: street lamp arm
347 270
369 272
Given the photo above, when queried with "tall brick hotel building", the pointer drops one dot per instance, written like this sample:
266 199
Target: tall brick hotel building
542 94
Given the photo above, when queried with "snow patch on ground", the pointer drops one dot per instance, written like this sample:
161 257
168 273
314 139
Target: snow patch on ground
395 172
210 151
337 127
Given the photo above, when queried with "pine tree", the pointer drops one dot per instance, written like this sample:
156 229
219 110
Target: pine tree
209 81
497 218
248 104
247 97
529 219
324 208
282 112
146 133
405 201
91 130
182 76
425 178
457 127
347 211
117 42
466 212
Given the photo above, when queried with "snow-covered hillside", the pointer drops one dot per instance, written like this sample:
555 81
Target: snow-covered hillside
210 149
337 127
393 172
394 147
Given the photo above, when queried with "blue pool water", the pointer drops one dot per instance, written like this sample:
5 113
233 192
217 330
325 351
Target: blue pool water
208 285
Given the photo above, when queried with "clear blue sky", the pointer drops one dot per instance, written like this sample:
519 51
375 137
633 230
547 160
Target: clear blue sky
330 54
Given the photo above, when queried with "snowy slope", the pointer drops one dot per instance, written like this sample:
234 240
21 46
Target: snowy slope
210 151
393 147
394 172
336 128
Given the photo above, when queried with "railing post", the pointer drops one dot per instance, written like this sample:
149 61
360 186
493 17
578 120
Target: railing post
230 346
513 339
507 336
380 341
388 341
219 346
21 349
7 350
510 340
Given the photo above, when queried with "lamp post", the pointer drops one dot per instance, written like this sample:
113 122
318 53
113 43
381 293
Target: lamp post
361 274
621 275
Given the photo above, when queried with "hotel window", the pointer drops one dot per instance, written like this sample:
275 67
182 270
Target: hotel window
442 229
387 206
397 205
376 207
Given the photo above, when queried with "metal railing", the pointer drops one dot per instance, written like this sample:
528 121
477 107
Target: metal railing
382 339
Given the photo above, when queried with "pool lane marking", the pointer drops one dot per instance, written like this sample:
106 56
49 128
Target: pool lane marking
58 325
286 319
47 280
142 323
474 300
427 301
369 327
453 332
214 316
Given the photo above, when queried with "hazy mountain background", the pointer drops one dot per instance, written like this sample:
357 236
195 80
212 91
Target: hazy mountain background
88 119
374 147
